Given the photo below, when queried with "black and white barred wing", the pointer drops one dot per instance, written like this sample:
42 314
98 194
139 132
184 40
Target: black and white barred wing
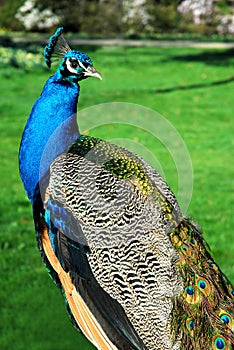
120 213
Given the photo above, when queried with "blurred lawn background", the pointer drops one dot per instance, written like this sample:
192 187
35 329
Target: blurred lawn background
192 88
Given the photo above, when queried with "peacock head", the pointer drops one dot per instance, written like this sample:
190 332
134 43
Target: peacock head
75 65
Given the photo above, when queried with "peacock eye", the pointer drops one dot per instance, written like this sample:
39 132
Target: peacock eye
74 64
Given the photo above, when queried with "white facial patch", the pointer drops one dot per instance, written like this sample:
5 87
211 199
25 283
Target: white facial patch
71 66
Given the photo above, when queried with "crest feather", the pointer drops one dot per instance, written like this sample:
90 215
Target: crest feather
57 47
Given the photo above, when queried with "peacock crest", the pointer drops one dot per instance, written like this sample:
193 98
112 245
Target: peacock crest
56 48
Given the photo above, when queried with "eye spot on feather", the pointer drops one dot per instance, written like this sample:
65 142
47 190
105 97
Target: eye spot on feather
190 326
220 343
189 290
194 243
231 291
186 250
204 286
191 295
212 265
227 319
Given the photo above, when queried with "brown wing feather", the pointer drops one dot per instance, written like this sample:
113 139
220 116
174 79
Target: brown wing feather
83 316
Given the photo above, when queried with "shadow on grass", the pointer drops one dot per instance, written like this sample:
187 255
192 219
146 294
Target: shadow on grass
213 57
195 86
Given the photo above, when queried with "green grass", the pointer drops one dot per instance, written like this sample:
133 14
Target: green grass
193 89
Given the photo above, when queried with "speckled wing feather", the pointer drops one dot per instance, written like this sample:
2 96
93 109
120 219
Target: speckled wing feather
125 212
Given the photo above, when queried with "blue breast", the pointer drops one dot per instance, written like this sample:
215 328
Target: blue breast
50 129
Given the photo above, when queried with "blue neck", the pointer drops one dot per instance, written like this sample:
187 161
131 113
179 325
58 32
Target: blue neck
50 129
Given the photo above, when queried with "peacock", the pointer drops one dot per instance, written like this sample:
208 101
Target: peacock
135 273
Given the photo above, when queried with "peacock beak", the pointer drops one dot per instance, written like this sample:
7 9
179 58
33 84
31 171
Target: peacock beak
91 72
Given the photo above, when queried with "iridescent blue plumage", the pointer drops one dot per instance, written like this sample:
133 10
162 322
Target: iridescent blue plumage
55 111
49 48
